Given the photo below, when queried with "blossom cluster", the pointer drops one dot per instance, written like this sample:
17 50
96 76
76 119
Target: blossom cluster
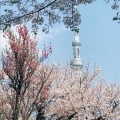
22 55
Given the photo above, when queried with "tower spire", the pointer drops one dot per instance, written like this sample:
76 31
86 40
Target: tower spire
77 62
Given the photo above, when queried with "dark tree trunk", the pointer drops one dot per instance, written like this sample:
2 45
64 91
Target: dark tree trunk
40 115
16 109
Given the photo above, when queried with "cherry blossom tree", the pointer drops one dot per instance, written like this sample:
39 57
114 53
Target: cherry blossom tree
19 63
35 99
22 91
47 74
78 96
63 93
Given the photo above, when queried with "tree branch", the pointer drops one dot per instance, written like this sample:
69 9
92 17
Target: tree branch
29 13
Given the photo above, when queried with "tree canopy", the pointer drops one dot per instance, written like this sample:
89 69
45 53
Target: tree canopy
45 13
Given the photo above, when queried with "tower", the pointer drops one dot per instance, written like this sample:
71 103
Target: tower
76 63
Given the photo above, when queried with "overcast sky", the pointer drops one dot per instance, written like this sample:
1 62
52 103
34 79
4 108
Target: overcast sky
99 36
